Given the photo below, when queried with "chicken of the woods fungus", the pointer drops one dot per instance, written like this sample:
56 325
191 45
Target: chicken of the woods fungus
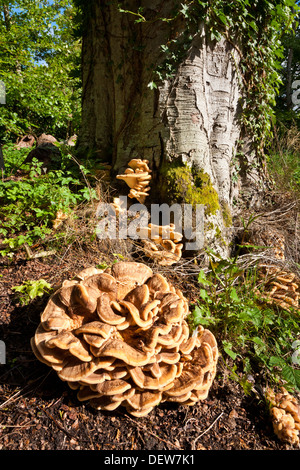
137 177
280 287
161 243
120 337
285 415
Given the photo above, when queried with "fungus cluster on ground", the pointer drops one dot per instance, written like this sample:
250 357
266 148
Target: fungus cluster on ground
285 414
121 338
276 241
280 287
161 243
137 177
268 237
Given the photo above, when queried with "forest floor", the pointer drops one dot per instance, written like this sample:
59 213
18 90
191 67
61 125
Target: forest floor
40 412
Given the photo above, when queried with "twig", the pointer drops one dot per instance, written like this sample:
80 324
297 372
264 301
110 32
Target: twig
41 254
21 393
17 426
10 398
206 430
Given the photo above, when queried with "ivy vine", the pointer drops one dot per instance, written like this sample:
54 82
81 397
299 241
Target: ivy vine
255 28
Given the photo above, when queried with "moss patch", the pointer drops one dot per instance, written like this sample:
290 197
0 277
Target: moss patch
182 184
226 212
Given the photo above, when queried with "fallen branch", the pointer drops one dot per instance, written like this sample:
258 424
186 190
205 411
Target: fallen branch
41 254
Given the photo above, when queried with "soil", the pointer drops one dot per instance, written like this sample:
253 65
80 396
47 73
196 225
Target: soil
40 412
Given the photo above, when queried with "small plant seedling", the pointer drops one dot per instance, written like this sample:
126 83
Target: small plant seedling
32 289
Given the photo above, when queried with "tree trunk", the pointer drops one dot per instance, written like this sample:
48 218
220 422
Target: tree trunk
188 127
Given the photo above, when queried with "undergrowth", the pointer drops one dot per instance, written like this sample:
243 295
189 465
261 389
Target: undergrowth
252 335
31 289
31 199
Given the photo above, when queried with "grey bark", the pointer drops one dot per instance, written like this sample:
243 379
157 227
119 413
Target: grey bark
200 112
192 118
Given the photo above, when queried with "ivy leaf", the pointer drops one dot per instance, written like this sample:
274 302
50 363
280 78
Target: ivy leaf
184 10
222 17
152 85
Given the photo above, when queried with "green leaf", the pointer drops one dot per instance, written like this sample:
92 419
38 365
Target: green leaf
204 296
291 375
32 289
215 35
233 295
227 346
276 361
202 316
222 17
184 10
152 85
202 279
259 345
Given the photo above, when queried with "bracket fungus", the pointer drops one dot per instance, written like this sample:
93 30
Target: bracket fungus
137 177
120 337
161 243
280 287
285 414
119 206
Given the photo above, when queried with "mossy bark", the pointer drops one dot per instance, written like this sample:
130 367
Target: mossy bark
183 184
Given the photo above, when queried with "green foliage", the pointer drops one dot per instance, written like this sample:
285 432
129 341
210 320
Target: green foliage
32 289
258 336
285 167
29 205
38 63
283 159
